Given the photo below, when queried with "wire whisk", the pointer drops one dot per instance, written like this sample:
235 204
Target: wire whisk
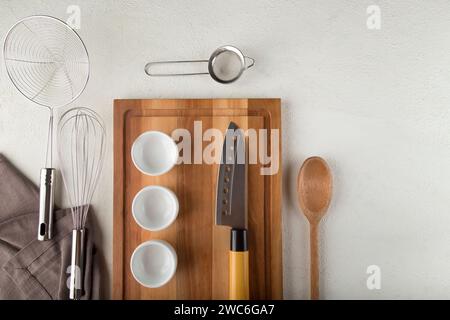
81 152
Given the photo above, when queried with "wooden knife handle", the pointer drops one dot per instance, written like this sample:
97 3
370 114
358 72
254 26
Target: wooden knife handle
239 268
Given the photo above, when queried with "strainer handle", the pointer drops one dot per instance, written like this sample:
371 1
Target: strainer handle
46 203
149 65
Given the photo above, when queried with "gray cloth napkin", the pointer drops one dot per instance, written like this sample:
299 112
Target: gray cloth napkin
32 269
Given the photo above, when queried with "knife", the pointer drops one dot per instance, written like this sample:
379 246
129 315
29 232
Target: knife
231 209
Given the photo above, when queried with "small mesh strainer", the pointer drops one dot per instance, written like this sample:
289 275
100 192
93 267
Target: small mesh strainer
225 65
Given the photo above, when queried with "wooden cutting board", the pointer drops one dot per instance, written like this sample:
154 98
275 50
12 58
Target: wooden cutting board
201 246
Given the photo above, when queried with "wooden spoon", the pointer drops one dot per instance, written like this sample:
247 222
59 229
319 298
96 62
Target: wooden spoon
314 188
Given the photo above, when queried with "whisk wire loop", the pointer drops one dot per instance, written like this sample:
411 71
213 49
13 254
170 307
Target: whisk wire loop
81 150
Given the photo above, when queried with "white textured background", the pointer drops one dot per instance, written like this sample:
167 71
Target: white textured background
374 103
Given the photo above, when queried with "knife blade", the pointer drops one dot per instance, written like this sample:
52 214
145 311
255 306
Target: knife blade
231 208
231 187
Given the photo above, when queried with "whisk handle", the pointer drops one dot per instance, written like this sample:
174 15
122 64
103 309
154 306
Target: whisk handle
77 264
46 201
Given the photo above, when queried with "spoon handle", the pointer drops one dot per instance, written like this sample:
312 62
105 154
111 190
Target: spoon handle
314 252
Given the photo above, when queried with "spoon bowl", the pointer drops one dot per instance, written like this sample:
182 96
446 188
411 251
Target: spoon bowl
314 188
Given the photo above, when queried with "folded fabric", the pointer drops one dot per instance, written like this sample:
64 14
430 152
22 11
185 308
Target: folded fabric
32 269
